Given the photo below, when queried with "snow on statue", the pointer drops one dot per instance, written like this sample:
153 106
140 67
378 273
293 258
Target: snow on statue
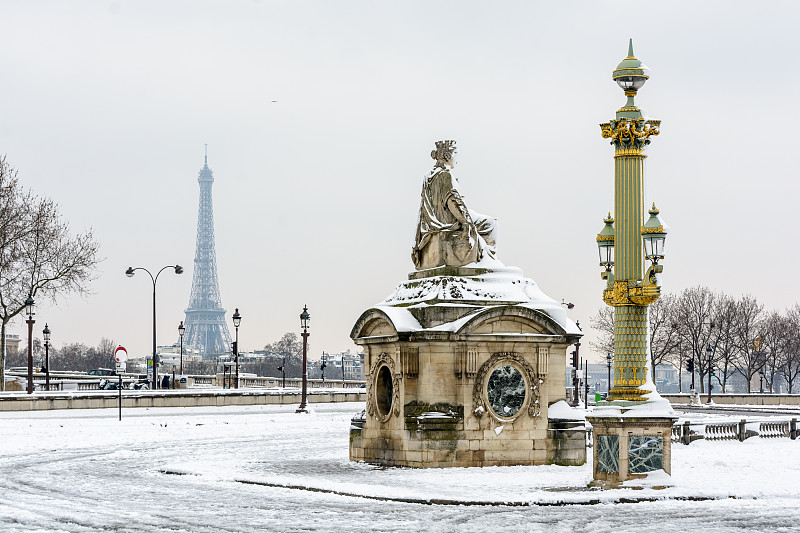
449 233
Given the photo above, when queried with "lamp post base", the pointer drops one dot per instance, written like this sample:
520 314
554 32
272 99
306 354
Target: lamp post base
630 448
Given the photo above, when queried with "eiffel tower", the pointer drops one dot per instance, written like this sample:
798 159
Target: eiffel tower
206 330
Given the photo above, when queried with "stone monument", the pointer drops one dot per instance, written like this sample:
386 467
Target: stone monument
464 360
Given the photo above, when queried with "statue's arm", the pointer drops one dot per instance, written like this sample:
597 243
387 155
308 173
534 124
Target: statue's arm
459 209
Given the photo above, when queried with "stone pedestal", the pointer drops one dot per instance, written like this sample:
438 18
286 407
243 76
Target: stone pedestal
629 447
461 369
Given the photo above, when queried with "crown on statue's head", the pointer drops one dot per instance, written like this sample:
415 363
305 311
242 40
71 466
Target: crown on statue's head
444 152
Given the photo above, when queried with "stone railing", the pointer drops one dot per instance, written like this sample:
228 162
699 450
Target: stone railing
740 399
687 432
60 381
246 381
170 398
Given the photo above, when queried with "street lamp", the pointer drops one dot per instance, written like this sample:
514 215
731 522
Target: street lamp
709 356
609 360
304 320
30 310
46 336
131 270
575 358
181 331
624 245
237 319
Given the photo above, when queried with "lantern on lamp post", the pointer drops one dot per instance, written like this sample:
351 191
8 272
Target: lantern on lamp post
654 233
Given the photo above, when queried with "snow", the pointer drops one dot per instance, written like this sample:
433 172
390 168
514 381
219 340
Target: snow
658 478
401 318
500 286
561 410
83 470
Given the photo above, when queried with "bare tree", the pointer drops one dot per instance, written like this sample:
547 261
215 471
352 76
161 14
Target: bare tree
694 318
290 347
39 256
774 332
788 366
663 336
723 338
603 324
748 338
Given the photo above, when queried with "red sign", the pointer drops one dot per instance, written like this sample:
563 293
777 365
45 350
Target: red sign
124 354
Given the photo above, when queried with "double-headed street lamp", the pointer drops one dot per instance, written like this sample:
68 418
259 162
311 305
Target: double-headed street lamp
304 320
46 336
181 331
30 310
237 319
178 270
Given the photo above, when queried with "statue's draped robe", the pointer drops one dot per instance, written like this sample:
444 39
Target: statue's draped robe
444 219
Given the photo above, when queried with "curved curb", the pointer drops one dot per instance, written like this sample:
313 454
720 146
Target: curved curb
445 501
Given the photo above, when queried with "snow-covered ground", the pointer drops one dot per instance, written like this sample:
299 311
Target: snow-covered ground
251 468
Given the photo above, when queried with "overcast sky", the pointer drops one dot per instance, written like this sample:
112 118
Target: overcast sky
106 106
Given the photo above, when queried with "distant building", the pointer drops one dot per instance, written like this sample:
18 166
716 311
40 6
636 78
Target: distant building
666 378
350 364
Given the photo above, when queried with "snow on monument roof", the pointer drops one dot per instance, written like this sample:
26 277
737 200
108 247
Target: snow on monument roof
497 287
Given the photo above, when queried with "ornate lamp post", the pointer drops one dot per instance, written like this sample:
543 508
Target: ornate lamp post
630 446
609 360
46 337
237 319
710 357
304 320
30 310
627 290
181 331
178 270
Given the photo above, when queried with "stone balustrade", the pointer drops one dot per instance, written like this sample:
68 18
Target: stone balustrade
15 401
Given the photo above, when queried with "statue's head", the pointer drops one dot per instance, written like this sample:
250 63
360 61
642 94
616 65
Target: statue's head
445 154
